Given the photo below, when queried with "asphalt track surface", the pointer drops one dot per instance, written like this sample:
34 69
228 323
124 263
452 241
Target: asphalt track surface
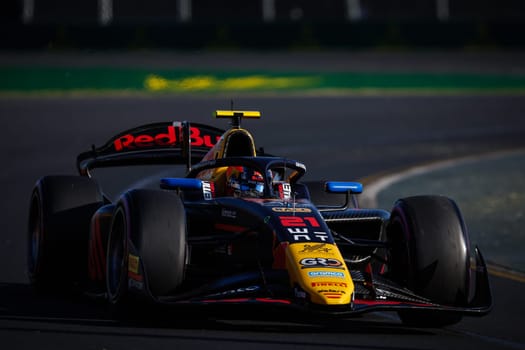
339 138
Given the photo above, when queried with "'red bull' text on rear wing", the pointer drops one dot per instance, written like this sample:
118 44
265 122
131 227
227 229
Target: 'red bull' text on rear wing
158 143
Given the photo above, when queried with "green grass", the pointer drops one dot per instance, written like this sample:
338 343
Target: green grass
95 79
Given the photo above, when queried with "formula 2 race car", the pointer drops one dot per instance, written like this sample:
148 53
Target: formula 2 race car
239 227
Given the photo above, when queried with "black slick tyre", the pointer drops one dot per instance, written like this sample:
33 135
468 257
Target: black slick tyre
430 255
150 226
60 211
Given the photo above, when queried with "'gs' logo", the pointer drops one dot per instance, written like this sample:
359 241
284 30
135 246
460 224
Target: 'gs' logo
321 262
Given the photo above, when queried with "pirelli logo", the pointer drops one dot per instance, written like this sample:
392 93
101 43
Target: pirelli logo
330 284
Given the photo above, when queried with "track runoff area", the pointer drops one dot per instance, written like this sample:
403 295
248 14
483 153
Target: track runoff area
489 189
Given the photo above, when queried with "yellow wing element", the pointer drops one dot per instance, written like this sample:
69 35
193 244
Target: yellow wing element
321 273
237 114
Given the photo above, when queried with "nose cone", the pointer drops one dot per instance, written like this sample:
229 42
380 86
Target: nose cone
319 270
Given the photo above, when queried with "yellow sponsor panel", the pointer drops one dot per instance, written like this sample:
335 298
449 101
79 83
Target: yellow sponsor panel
311 248
133 264
321 273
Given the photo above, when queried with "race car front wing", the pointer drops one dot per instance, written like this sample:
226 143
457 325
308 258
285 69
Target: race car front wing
372 293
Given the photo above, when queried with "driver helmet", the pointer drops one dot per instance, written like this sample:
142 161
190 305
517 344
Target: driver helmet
244 182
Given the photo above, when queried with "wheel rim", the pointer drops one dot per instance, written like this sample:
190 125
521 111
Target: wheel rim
117 258
399 252
35 237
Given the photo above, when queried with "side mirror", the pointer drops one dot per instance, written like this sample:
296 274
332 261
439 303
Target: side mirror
350 189
343 187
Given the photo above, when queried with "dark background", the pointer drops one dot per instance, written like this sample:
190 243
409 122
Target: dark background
235 24
43 134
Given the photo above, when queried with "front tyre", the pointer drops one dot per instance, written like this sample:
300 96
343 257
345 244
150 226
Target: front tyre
430 255
151 226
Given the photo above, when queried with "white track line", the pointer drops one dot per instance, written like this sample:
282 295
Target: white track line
376 186
373 188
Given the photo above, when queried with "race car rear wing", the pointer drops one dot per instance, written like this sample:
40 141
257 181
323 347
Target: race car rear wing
158 143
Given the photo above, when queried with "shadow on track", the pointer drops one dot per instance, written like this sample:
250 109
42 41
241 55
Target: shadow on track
20 303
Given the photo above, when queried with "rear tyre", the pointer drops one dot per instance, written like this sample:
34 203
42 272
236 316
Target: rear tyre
60 211
430 255
151 224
